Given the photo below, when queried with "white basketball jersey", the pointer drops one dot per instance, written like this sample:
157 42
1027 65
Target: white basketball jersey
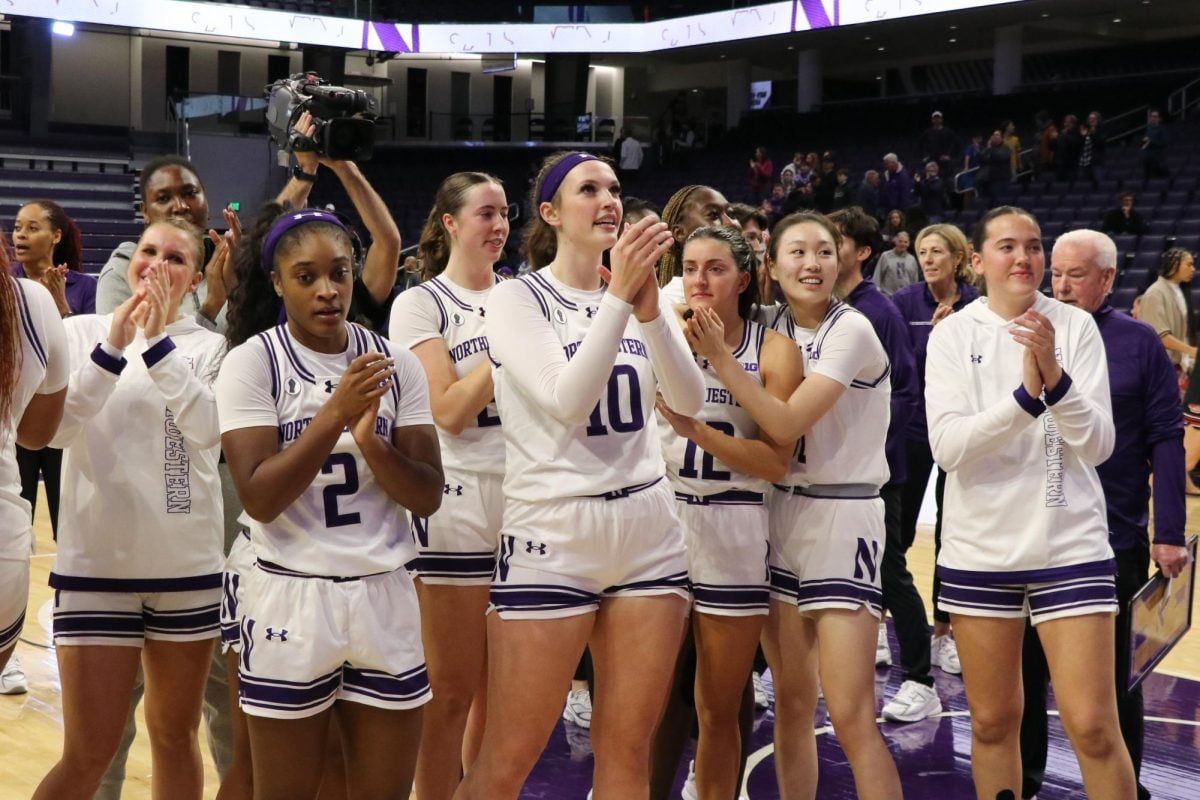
694 471
846 445
618 445
344 523
442 309
44 369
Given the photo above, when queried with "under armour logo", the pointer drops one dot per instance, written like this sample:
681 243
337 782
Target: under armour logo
530 547
456 490
976 359
591 311
330 386
281 635
482 311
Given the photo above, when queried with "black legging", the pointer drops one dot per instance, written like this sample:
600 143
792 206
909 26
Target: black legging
920 462
46 462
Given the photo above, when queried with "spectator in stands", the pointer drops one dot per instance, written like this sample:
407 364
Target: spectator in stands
1014 144
970 162
1163 305
1068 148
995 167
1047 134
826 184
410 274
897 267
773 205
939 143
1154 147
897 188
46 249
629 162
683 145
843 192
931 193
787 175
762 174
1095 145
1124 219
1145 405
170 186
802 195
896 222
867 196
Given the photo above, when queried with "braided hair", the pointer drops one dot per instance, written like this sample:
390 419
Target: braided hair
11 351
671 263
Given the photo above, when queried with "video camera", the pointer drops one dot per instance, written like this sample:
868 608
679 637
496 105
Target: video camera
345 118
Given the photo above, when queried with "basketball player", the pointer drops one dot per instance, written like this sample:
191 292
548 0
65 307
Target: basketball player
33 385
138 570
328 437
442 322
719 465
590 550
826 519
1019 413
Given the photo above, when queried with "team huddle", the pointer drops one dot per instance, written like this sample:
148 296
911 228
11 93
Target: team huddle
436 525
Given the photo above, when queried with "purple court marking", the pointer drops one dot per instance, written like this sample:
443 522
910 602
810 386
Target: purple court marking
933 756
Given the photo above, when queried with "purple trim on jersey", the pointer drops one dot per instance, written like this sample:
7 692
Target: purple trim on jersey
1095 594
1030 405
284 695
441 564
201 619
711 595
274 364
733 497
444 321
741 348
536 296
381 345
107 362
549 287
289 350
677 581
539 597
1073 594
30 329
402 688
10 634
76 583
1091 569
230 585
158 352
441 286
1059 391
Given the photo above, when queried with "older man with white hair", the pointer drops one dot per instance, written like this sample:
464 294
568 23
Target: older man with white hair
1149 425
897 189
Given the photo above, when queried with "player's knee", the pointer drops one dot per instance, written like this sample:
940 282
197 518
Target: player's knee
1093 735
993 726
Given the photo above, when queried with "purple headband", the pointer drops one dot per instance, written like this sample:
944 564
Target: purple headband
554 177
292 219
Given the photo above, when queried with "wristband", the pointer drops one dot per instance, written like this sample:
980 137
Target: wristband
299 174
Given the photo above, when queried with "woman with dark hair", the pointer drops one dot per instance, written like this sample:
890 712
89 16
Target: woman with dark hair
719 464
33 380
1019 411
826 517
689 208
591 551
442 322
329 440
47 250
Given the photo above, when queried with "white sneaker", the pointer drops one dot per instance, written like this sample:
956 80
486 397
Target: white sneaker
12 680
883 652
944 655
760 693
689 786
913 703
579 709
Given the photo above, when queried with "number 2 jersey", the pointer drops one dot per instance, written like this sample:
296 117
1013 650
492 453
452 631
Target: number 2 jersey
441 309
584 448
43 370
694 471
344 523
